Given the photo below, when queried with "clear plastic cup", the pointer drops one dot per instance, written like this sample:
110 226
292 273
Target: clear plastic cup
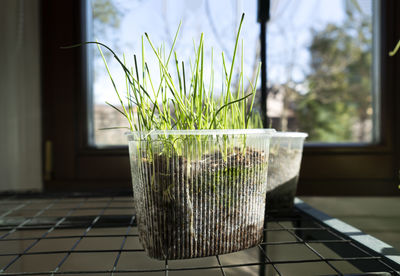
286 149
199 193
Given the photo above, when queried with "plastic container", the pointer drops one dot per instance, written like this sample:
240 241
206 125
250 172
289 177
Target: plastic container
199 193
286 150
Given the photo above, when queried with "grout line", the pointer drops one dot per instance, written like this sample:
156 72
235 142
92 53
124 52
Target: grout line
39 239
312 249
15 209
29 219
131 224
269 260
95 220
220 266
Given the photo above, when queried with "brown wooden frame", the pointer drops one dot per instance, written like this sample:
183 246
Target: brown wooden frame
326 170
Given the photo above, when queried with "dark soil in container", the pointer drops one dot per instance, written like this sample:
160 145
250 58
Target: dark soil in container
197 208
283 172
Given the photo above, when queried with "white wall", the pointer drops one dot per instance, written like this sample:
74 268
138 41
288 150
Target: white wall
20 121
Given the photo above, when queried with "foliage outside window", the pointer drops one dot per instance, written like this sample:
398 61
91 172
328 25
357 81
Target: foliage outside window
338 104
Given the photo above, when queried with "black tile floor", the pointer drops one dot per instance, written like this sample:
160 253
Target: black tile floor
51 235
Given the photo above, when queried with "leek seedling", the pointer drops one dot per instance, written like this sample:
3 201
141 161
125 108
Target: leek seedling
193 109
184 102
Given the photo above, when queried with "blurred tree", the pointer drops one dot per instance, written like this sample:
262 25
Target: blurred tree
338 105
106 19
106 15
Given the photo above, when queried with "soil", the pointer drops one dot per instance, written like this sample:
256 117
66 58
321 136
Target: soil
213 205
283 172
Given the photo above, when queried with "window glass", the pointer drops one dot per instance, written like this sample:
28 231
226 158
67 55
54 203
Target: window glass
319 58
320 69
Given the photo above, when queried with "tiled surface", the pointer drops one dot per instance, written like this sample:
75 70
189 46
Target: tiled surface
376 216
74 237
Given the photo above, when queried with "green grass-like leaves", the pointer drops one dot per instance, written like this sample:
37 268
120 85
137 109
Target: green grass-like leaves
186 102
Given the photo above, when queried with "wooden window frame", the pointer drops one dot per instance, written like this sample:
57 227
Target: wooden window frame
329 169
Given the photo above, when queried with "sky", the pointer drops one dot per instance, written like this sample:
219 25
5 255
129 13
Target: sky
288 35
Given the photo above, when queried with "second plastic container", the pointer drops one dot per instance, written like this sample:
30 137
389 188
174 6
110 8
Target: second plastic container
286 151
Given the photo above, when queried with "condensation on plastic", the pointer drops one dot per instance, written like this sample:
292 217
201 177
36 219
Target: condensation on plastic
199 193
286 150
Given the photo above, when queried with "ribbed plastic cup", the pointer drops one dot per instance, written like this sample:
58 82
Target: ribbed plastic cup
199 193
286 150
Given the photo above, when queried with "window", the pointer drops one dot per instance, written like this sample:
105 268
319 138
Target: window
320 65
327 168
